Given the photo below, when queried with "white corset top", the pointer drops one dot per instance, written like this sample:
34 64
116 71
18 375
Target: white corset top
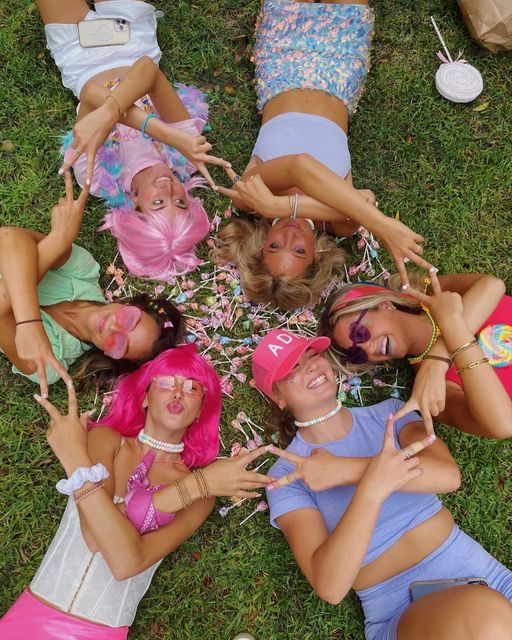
80 582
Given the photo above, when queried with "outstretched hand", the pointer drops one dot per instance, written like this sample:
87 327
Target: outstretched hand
89 133
317 471
67 214
403 245
195 149
443 305
33 346
251 194
67 434
393 468
230 477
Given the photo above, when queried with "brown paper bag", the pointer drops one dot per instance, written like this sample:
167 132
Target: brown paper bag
489 22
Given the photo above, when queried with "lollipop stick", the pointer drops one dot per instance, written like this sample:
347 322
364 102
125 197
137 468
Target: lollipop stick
441 39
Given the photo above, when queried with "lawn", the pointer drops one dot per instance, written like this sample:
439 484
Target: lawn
445 168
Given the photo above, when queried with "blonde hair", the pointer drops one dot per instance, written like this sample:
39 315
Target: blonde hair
335 309
240 242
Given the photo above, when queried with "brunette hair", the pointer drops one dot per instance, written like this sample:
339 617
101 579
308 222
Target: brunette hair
240 242
154 246
336 308
170 324
127 416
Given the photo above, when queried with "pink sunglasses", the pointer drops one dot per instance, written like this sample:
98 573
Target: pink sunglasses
116 344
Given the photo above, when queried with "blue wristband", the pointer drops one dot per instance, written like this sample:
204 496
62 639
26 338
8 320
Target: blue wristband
144 123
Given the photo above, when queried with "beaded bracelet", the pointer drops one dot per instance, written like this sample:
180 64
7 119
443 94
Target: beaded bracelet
120 108
358 210
202 485
473 365
81 495
440 358
144 123
183 492
464 347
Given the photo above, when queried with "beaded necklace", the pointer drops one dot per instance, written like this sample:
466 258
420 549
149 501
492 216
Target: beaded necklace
328 416
141 453
436 332
159 445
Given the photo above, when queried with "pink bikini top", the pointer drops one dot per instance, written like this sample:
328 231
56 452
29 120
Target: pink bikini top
138 500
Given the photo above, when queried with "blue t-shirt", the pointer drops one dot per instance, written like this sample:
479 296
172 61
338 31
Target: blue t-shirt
399 513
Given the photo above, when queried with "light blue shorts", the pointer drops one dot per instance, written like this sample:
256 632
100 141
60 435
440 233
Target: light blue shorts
458 557
300 45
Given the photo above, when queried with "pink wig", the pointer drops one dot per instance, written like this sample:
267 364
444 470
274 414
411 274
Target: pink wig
153 246
127 416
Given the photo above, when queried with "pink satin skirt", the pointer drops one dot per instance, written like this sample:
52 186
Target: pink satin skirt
31 619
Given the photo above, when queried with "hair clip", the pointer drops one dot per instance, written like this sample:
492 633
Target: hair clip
168 324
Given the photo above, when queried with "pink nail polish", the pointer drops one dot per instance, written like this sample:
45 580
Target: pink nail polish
431 438
37 397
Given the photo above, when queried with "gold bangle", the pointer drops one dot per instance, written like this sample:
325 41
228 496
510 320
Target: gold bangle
202 485
473 365
120 108
183 492
358 210
81 495
464 347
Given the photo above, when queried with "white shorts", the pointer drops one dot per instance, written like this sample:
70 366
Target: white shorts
78 64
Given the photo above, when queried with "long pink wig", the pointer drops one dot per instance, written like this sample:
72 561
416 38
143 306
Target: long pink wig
127 416
154 246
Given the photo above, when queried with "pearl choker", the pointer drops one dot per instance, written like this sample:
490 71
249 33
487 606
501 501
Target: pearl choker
161 445
328 416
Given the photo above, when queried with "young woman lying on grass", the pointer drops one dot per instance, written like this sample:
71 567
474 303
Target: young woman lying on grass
459 341
52 308
134 498
128 106
365 515
311 62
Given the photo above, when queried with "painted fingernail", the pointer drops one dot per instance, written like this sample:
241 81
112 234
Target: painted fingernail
228 165
215 187
37 397
431 438
433 270
69 384
270 487
88 182
269 447
405 287
60 171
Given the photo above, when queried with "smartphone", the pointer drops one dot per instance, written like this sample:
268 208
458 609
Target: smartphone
424 587
104 32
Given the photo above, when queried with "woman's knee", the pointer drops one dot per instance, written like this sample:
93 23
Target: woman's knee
461 613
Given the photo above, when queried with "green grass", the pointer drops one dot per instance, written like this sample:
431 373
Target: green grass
446 168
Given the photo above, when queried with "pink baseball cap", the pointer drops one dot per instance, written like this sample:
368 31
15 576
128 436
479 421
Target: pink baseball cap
277 354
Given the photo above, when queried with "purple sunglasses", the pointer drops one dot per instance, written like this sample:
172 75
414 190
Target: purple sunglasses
358 333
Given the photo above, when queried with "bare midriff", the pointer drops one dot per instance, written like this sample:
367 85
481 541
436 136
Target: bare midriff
415 545
317 103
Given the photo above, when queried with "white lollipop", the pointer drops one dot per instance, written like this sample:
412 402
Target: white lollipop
456 80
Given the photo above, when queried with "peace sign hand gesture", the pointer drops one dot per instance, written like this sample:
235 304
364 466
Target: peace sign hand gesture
393 468
230 477
67 434
443 305
67 214
319 471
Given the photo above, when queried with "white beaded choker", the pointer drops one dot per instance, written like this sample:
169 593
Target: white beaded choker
161 445
328 416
